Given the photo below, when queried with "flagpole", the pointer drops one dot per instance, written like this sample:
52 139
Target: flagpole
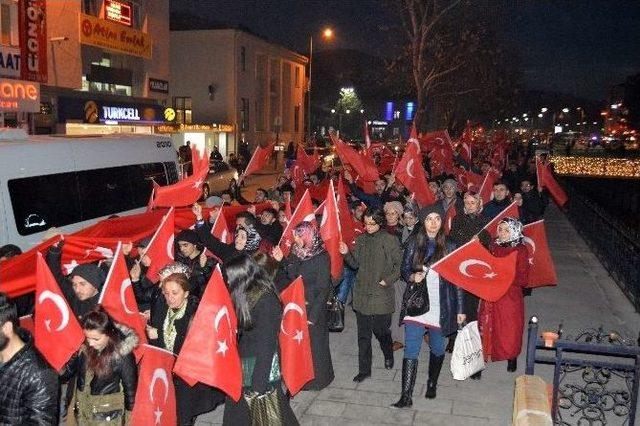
164 219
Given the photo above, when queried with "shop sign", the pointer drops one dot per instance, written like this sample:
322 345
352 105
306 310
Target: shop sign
33 40
19 95
9 61
174 128
99 111
160 86
118 11
109 35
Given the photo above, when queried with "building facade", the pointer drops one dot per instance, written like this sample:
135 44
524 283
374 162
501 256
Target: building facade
235 78
102 66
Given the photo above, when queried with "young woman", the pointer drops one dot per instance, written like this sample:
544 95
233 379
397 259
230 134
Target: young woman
259 316
310 259
167 329
446 302
105 371
501 323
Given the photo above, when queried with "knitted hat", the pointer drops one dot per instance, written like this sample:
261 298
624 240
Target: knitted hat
431 208
189 236
90 272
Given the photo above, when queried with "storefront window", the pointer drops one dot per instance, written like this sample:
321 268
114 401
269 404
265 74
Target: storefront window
182 105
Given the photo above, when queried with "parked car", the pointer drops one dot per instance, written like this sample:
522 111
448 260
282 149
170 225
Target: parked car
220 173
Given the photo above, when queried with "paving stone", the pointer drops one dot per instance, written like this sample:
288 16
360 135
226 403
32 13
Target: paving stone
326 408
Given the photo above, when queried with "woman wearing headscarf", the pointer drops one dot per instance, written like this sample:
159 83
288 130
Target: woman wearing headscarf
171 317
393 217
309 259
501 323
445 310
105 371
259 315
246 239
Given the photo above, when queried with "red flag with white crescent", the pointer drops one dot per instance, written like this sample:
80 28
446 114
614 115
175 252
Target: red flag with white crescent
542 271
436 139
307 163
259 159
304 212
209 354
348 225
546 180
486 190
220 229
510 211
118 299
295 342
57 333
155 395
80 250
184 192
330 232
409 171
160 248
477 271
362 164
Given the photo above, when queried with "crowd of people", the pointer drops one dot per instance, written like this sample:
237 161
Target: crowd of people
398 244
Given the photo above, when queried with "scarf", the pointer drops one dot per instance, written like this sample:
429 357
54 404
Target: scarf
169 325
515 232
312 244
253 238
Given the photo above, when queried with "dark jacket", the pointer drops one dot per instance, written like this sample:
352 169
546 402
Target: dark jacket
223 251
376 257
316 274
534 204
124 370
199 275
272 232
452 298
494 207
29 388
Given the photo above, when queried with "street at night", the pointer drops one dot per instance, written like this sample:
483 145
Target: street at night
383 212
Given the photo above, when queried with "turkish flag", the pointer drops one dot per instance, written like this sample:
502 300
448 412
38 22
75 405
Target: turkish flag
287 206
409 171
199 161
486 190
209 354
26 322
304 212
230 212
319 192
510 211
437 139
160 248
182 193
362 164
542 271
80 250
259 159
155 396
330 232
118 299
220 229
448 218
546 180
473 178
443 158
57 333
294 338
477 271
347 224
307 163
465 151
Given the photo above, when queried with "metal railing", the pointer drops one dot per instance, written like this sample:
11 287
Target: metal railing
617 246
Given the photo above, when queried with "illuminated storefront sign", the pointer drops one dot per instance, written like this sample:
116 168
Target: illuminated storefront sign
33 40
108 112
157 85
174 128
18 95
109 35
118 11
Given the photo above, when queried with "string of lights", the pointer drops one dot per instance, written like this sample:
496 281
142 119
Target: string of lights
596 167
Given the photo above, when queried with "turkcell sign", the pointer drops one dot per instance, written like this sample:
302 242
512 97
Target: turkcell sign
120 113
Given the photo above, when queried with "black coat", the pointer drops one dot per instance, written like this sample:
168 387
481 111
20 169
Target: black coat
260 343
190 401
29 388
124 370
452 298
316 274
225 252
199 275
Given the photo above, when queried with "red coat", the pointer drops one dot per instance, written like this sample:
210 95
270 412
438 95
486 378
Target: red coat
501 323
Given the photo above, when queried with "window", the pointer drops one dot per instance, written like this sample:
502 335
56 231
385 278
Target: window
90 7
184 113
297 76
244 115
243 58
8 23
41 202
296 118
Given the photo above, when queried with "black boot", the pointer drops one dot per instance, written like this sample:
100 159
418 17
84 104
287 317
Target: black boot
451 343
435 365
477 376
512 365
409 372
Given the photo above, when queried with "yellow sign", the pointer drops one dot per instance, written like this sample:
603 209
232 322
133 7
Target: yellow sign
169 114
109 35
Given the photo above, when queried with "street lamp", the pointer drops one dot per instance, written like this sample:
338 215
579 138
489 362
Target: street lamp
544 109
565 110
327 34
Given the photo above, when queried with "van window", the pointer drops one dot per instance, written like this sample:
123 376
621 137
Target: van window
61 199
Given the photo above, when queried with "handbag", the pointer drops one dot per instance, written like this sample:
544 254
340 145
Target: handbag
467 357
264 409
415 301
335 313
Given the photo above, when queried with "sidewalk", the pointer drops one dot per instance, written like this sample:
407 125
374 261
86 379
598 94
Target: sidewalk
586 296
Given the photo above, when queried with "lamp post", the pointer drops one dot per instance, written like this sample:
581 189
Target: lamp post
327 34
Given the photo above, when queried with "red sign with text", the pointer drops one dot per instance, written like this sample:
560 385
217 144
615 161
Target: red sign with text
118 11
33 40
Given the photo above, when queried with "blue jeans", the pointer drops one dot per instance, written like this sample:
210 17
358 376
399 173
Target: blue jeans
413 334
346 284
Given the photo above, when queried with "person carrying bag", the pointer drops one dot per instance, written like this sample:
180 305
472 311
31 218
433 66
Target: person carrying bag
467 358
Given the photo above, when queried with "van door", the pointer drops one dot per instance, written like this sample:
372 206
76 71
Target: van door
4 239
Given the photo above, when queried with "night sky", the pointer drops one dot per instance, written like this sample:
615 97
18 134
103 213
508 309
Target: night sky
575 47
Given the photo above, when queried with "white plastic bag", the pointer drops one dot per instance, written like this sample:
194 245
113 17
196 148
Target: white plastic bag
467 357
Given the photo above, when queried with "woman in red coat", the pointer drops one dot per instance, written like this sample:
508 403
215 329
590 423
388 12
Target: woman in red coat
501 323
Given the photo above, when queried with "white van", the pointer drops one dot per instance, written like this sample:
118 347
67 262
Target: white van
72 182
